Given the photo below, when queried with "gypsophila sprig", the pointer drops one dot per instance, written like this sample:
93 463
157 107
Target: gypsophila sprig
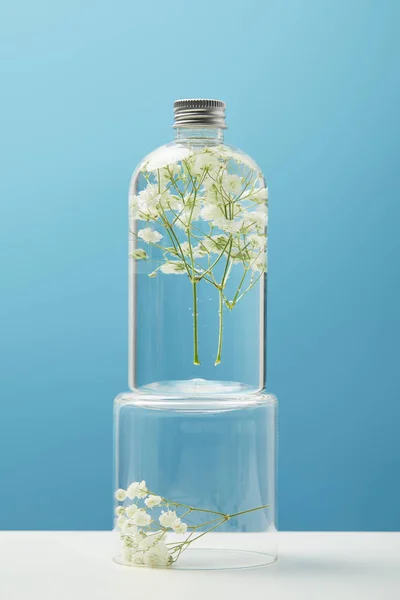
206 215
153 534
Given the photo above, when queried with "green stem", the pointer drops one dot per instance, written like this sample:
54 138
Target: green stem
195 326
221 304
245 512
220 329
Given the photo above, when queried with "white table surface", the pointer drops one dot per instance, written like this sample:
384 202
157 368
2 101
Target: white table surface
77 566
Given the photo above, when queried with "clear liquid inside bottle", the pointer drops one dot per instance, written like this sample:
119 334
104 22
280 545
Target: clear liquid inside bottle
198 262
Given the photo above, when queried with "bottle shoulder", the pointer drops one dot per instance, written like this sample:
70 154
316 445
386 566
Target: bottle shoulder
177 151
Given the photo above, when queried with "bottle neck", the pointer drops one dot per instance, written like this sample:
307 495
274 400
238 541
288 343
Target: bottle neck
200 134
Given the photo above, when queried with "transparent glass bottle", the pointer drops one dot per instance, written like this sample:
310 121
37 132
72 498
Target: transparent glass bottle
195 438
198 260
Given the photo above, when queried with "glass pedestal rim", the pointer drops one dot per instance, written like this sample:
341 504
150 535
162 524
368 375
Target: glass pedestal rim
272 558
195 402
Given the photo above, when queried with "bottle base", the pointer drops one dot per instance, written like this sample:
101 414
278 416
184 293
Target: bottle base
197 387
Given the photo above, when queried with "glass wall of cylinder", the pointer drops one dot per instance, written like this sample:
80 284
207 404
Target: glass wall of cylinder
195 481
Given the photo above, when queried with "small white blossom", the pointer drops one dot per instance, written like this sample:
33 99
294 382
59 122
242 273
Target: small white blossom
149 235
137 490
210 212
200 251
257 241
196 251
121 522
167 518
152 501
146 541
239 157
179 526
185 247
173 267
256 219
141 518
120 511
129 527
127 553
204 160
130 510
120 495
172 203
229 225
144 205
157 556
232 184
260 263
166 156
260 195
215 244
137 558
142 492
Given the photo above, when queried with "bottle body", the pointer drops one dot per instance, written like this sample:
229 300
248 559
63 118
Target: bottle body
197 269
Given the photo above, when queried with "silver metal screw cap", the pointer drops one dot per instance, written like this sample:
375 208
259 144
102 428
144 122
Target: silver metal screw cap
196 112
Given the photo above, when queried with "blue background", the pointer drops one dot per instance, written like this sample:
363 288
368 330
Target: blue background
313 94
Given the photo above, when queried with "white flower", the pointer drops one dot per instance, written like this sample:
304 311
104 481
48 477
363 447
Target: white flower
171 203
232 183
129 527
259 195
120 522
257 219
130 510
141 518
196 251
241 158
145 204
204 160
137 558
260 263
178 526
146 541
173 267
152 501
137 490
168 174
213 194
120 495
157 556
215 244
199 251
167 518
228 225
120 511
142 493
139 254
185 247
210 212
256 240
127 554
149 235
166 156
